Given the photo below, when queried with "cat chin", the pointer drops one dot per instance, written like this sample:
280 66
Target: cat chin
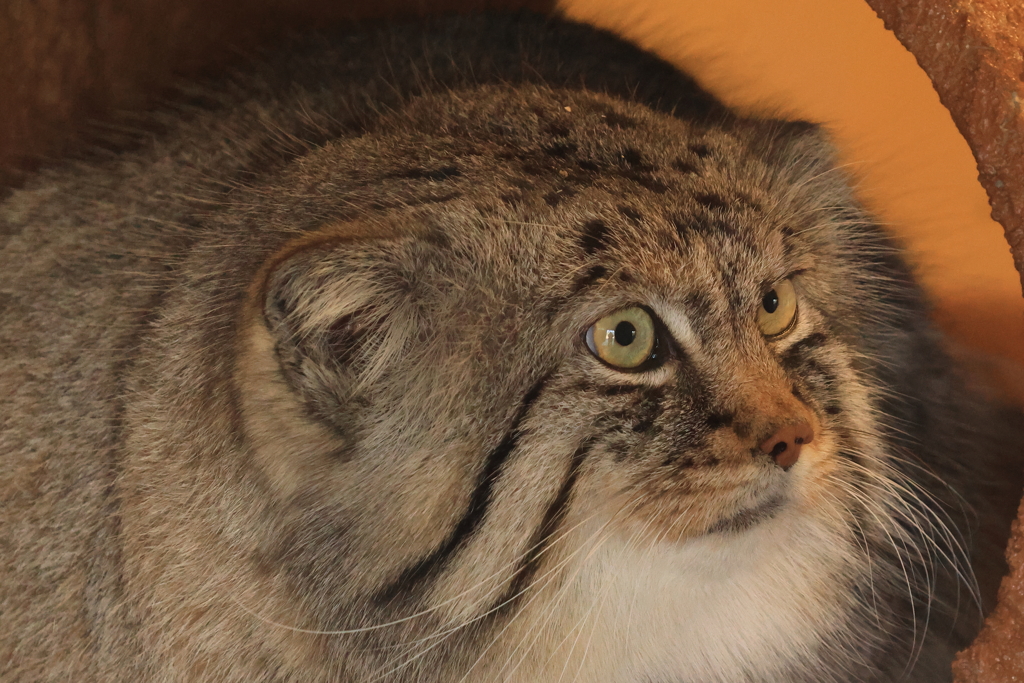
718 607
750 517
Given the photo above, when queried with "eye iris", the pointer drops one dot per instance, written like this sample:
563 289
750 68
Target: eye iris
778 309
625 339
625 333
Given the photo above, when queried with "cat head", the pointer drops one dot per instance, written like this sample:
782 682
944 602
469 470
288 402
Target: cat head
544 344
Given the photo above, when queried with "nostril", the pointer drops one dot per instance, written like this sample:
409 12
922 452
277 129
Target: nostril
784 445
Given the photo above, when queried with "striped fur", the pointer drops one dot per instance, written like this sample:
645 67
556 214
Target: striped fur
302 392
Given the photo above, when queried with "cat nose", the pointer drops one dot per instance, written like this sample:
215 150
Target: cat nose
784 445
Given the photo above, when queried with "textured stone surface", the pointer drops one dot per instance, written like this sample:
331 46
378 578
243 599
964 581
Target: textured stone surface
973 50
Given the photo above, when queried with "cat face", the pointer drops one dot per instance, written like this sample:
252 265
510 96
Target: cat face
554 351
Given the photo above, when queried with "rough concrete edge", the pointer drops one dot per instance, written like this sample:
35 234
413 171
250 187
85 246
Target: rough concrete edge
973 51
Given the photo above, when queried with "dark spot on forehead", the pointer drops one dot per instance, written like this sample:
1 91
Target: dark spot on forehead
588 165
711 201
748 201
701 150
630 213
535 169
437 237
594 237
685 167
633 159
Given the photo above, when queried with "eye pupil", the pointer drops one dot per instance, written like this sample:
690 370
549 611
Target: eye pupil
625 333
770 302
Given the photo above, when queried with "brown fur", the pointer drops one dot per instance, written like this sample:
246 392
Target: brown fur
299 389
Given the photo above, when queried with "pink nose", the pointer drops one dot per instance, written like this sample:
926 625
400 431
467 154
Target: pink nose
784 445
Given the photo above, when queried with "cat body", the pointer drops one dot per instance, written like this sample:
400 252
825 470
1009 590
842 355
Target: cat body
305 385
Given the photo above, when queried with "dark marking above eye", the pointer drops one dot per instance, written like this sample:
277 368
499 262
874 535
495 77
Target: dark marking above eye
702 226
748 201
711 201
437 237
592 276
437 174
588 165
833 409
701 150
553 198
594 237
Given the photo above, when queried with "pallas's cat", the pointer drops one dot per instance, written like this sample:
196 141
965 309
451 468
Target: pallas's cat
491 349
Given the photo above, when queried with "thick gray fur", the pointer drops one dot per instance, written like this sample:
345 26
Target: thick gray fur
294 387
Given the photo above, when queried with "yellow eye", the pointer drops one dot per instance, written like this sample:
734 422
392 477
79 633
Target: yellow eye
778 309
625 339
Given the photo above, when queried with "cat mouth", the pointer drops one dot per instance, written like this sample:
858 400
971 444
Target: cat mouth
749 517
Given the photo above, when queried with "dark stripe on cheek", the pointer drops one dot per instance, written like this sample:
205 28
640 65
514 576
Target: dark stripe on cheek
541 539
433 564
811 341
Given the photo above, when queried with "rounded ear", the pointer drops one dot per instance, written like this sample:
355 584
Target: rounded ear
800 148
804 165
335 322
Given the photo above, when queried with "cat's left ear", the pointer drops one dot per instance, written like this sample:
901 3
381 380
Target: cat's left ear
800 147
801 156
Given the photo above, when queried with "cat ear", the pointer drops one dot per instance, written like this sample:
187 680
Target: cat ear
803 163
800 148
336 322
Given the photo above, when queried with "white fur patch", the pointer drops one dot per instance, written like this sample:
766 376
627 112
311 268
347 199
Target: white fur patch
713 609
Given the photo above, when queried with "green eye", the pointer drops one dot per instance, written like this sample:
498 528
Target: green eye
625 339
778 309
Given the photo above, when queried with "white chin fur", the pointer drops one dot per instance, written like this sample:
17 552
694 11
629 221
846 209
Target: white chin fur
724 607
